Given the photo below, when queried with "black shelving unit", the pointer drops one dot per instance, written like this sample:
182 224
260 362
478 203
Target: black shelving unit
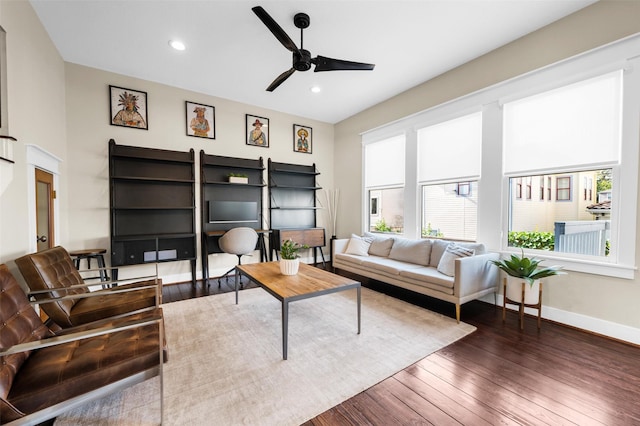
292 205
216 192
152 204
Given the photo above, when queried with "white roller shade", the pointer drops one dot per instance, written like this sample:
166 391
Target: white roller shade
384 162
450 150
574 126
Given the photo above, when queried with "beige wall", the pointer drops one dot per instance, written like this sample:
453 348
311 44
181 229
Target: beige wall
64 109
583 297
89 131
36 105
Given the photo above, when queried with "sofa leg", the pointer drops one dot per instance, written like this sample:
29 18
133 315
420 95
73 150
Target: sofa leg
458 313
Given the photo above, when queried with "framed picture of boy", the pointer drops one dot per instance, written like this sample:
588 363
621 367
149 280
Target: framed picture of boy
200 120
302 138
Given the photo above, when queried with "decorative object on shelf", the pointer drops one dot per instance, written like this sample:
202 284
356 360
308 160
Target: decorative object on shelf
329 202
257 130
524 269
238 178
302 138
128 107
200 120
290 261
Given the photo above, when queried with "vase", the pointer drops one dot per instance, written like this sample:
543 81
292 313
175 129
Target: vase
289 266
531 291
238 179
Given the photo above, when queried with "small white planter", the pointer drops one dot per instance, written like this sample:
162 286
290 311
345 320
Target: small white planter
238 179
531 292
289 266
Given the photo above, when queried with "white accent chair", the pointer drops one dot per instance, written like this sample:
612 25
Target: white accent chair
240 241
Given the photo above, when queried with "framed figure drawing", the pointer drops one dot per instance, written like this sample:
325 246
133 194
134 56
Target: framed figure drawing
201 120
257 130
302 138
128 107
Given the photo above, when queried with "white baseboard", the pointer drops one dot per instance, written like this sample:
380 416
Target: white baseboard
583 322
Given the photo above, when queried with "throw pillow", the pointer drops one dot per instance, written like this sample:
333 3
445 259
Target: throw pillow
358 246
412 251
447 261
381 246
438 248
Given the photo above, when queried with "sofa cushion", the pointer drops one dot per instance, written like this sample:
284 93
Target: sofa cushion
381 246
430 277
358 245
411 251
387 265
349 258
438 248
447 261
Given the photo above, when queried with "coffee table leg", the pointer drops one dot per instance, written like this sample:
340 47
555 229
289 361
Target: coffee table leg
359 310
285 327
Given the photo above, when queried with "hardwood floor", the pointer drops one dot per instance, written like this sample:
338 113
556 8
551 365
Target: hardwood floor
496 375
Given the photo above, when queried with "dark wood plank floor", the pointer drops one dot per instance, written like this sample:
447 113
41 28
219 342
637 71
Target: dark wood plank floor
498 375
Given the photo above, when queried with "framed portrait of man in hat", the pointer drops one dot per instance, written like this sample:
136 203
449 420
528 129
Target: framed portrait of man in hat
302 139
257 130
201 120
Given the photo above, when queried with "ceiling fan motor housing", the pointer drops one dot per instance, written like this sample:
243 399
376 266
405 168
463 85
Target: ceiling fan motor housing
302 60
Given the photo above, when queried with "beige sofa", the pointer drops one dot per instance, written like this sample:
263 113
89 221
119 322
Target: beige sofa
451 271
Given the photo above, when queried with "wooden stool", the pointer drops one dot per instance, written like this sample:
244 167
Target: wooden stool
88 254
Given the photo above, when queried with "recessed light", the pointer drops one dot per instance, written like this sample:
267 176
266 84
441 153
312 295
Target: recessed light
178 45
316 89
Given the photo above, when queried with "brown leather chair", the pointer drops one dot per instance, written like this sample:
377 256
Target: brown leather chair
52 273
39 382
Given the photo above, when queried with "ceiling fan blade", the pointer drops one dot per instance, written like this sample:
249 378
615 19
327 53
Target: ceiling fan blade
275 28
280 79
330 64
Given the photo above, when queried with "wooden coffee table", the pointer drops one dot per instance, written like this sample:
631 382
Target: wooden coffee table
309 282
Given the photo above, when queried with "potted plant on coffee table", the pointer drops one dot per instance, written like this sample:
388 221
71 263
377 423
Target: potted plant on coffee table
524 269
290 259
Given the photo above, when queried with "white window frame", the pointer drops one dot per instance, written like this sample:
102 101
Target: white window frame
493 204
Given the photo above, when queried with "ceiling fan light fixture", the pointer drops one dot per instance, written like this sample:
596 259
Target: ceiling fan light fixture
178 45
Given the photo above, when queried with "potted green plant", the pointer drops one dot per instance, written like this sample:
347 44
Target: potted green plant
290 262
238 178
524 269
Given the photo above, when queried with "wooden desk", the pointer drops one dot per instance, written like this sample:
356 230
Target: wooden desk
312 237
207 248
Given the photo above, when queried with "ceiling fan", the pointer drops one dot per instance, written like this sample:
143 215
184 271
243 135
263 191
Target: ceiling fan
302 59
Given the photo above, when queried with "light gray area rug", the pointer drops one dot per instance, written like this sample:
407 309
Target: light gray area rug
226 368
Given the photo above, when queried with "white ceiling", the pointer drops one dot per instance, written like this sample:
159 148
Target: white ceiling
231 54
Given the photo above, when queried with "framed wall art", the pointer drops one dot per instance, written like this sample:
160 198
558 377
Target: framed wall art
128 107
302 138
257 130
201 120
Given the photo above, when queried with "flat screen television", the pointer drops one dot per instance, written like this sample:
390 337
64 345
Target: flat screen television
233 211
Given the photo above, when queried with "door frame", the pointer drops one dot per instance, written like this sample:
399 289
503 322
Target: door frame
41 159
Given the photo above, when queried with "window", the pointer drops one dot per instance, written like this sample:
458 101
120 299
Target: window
564 120
585 116
448 168
563 188
528 180
384 181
